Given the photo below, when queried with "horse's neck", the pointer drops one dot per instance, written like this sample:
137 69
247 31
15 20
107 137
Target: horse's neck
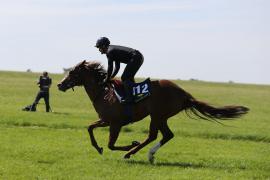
93 91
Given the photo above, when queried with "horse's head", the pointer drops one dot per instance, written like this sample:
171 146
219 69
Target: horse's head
73 78
84 73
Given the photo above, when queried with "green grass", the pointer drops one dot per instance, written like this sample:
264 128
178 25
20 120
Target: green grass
56 145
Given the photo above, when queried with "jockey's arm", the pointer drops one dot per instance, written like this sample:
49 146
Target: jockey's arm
109 70
116 69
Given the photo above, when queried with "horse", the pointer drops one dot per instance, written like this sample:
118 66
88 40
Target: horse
166 100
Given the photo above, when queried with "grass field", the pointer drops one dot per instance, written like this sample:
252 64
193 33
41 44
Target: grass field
56 145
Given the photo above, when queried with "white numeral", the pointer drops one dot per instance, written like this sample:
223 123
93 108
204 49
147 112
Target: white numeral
145 90
138 90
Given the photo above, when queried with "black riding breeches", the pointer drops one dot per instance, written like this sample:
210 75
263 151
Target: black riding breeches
45 95
132 67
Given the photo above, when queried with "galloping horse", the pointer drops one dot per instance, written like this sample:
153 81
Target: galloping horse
166 100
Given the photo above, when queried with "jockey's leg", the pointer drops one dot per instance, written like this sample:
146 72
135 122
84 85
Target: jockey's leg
128 77
128 91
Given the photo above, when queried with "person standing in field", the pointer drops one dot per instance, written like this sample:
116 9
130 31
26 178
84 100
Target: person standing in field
44 83
120 54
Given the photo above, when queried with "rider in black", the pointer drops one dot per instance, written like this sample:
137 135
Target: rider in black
120 54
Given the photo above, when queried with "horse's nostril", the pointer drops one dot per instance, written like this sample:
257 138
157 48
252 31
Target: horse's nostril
58 85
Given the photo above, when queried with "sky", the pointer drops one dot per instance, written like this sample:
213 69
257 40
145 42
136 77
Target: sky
209 40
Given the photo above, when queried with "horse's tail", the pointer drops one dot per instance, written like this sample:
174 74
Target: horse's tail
209 112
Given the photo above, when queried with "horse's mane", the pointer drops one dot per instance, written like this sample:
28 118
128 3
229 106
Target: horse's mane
97 69
100 74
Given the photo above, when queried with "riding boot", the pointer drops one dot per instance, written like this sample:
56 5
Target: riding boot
128 91
48 108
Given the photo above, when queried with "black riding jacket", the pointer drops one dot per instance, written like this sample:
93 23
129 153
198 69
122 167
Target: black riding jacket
44 83
119 54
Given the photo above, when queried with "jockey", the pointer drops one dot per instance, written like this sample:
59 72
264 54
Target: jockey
120 54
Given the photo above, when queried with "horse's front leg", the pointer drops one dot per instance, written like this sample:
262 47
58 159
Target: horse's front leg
96 124
114 133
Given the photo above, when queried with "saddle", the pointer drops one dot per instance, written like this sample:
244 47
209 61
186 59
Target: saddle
140 90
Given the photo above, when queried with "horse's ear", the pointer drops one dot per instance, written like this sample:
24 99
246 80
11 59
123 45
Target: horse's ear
82 63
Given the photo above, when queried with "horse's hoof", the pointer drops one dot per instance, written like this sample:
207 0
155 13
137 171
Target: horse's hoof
127 156
135 143
151 158
100 151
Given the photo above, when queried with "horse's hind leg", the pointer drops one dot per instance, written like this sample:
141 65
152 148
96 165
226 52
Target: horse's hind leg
167 135
153 132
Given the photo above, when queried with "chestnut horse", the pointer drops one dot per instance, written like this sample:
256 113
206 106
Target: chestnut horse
166 100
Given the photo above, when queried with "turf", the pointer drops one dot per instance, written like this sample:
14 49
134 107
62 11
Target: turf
56 145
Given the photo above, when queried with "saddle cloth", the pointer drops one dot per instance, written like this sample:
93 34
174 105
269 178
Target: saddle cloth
140 90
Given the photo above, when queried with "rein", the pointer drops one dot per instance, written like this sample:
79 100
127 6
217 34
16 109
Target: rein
107 90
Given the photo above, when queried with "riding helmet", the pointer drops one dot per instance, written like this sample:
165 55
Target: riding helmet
103 41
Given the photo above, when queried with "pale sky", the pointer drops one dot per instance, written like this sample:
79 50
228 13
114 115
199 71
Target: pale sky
211 40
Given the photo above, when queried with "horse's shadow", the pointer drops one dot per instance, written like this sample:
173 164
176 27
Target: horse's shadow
168 164
60 113
183 165
180 164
